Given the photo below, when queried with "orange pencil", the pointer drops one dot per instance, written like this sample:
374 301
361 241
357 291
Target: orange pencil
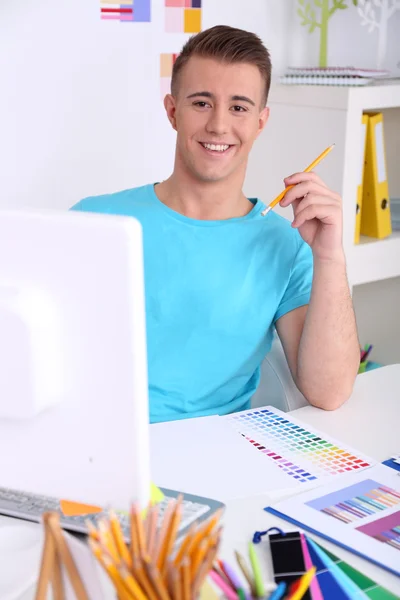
118 536
185 579
185 544
151 534
307 170
163 539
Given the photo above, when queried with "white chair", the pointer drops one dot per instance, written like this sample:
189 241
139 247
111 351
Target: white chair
277 387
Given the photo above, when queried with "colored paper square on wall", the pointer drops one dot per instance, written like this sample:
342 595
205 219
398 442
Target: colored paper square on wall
175 3
116 11
141 11
174 20
130 10
192 20
196 3
166 63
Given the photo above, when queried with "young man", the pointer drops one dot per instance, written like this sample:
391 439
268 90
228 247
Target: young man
219 276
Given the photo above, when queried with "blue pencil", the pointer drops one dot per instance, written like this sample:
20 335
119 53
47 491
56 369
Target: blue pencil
279 592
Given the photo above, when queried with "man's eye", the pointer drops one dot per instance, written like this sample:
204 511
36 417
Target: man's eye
201 104
238 108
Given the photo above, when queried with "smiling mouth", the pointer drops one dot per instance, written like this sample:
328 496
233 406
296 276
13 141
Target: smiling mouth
216 148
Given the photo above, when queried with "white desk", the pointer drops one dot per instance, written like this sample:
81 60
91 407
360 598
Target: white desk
368 421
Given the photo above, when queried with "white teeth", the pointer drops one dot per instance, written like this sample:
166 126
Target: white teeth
216 147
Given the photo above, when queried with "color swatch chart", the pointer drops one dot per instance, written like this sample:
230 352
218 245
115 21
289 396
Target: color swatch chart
386 530
304 454
128 10
183 16
338 580
357 501
294 553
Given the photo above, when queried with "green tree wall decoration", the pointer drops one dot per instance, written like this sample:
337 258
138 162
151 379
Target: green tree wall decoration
308 14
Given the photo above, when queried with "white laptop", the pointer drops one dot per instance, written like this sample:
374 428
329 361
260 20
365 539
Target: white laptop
73 366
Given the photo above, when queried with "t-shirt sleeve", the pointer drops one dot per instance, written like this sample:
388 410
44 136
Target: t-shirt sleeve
298 289
86 204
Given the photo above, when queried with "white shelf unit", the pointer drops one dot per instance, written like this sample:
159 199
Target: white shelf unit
303 121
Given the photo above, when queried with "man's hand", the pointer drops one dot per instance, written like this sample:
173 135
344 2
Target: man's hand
317 214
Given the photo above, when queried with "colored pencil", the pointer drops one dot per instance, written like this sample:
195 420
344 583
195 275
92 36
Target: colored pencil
289 187
303 585
259 584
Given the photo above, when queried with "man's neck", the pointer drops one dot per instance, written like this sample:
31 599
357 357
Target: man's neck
206 201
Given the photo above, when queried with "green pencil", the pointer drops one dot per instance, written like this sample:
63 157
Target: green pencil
260 589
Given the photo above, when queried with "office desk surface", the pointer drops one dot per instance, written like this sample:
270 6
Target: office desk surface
368 421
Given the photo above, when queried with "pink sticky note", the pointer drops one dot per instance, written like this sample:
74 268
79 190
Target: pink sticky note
174 20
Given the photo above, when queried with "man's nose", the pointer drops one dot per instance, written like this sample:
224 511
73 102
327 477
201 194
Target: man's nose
218 121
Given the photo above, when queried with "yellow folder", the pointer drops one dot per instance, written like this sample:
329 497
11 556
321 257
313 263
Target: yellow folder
375 213
364 125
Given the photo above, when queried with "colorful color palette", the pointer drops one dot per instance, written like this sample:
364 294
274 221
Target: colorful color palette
129 10
302 453
357 501
386 530
183 16
166 64
294 553
337 579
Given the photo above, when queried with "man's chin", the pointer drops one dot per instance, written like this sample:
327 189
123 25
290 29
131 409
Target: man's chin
211 177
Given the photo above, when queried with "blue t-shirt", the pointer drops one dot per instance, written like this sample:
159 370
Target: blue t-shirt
214 290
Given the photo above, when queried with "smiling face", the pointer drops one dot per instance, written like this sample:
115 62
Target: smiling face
218 113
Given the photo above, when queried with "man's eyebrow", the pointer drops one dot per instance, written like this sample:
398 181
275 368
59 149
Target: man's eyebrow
236 98
243 99
204 94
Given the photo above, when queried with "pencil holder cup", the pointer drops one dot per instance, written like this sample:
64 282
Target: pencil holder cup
157 564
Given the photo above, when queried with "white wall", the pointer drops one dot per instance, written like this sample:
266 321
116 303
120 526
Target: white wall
80 107
349 43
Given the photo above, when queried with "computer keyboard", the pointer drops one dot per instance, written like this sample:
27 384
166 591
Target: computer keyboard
28 506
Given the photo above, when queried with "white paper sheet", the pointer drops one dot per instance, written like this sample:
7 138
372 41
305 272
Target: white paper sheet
205 456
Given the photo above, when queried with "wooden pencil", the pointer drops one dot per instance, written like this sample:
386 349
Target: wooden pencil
47 564
53 523
139 529
119 541
163 533
246 572
204 569
140 574
185 544
185 579
170 536
107 540
174 582
157 581
151 533
131 583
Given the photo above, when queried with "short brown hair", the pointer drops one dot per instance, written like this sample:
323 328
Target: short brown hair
227 44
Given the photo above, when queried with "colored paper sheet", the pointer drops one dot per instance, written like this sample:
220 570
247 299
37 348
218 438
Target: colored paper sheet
359 512
76 509
304 454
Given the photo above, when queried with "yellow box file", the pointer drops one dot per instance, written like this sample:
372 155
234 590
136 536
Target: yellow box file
364 125
375 213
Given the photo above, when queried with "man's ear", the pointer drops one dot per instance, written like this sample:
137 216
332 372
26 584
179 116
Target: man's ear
262 119
170 109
